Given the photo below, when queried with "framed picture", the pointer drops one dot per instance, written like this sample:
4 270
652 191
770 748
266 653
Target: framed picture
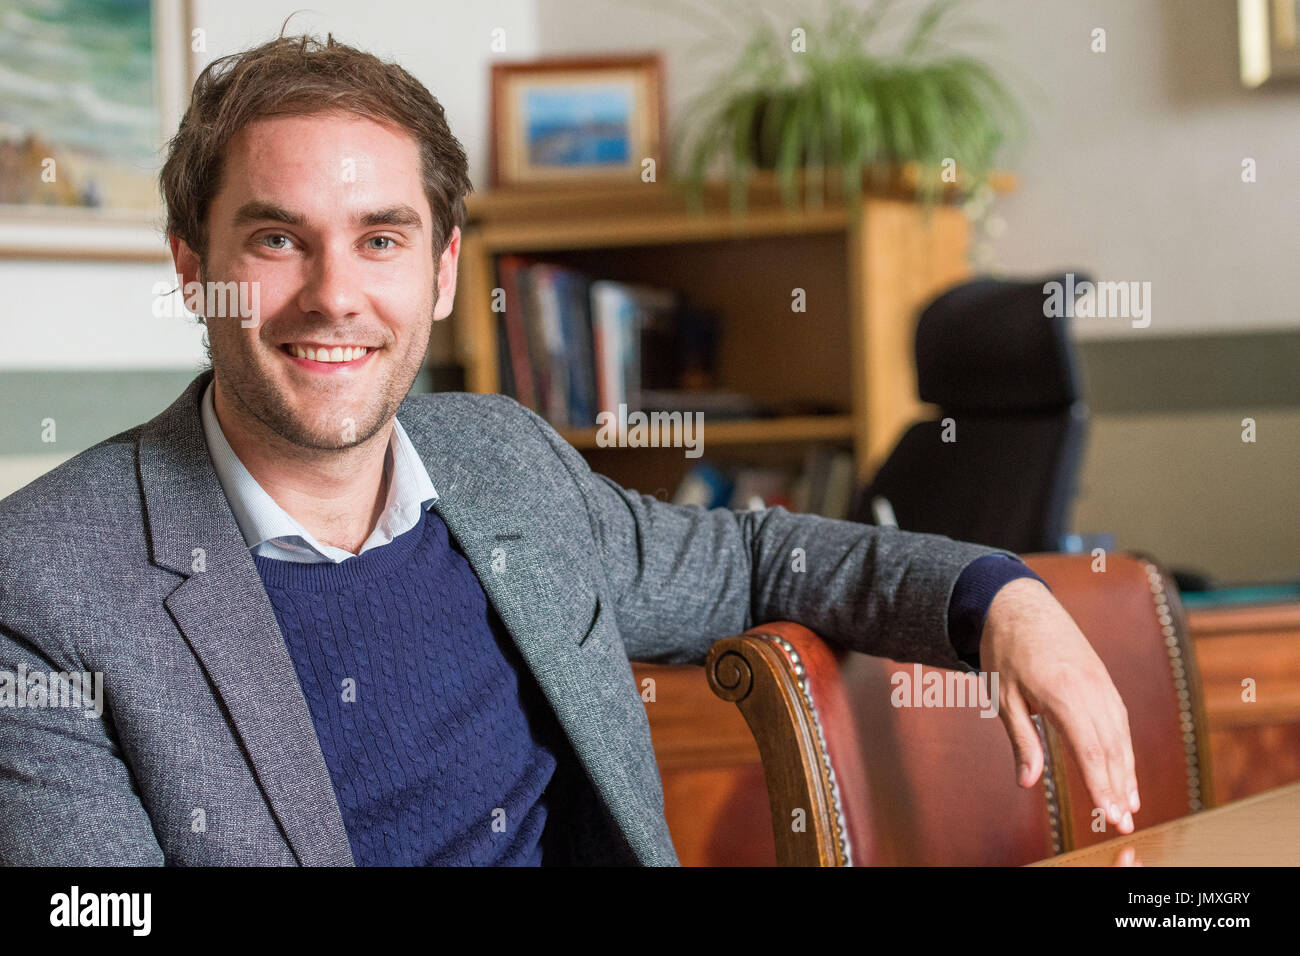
576 119
93 93
1269 38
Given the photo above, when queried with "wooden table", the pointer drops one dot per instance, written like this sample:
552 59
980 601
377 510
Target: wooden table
1263 830
1255 742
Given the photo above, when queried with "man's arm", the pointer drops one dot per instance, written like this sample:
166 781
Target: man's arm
682 577
66 796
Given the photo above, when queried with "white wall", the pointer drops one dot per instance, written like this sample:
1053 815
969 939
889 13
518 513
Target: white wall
1132 169
67 314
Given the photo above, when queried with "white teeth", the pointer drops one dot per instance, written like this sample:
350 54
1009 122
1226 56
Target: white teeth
336 354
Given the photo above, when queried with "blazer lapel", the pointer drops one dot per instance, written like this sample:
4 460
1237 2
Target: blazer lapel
226 618
490 515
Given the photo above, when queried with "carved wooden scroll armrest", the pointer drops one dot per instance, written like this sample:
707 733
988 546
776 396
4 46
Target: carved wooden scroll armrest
786 682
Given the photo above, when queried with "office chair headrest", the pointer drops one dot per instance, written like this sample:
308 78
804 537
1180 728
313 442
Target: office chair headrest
987 346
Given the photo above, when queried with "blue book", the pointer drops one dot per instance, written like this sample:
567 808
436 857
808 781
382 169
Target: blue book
575 326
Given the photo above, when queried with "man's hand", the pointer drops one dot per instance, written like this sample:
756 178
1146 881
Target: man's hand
1045 665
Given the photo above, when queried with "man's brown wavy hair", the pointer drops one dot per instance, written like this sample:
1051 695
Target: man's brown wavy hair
297 76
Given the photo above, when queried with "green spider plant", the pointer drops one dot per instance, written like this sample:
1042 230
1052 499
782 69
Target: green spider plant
837 109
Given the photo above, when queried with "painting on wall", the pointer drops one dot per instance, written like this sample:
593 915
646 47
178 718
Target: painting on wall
576 120
1269 40
90 92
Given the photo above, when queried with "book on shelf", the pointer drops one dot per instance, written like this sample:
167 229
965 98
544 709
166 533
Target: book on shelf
570 346
573 300
511 326
823 485
632 330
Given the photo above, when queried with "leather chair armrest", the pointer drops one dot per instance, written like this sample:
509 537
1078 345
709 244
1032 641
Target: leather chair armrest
786 682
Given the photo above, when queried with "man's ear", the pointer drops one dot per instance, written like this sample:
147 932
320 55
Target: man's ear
447 276
185 259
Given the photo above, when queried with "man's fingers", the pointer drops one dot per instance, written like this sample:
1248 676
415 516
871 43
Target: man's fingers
1090 753
1130 764
1113 731
1109 727
1113 742
1024 739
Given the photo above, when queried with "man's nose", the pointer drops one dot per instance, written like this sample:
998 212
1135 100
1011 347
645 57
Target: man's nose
332 286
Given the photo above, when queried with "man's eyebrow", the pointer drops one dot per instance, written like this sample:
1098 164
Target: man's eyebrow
257 210
400 215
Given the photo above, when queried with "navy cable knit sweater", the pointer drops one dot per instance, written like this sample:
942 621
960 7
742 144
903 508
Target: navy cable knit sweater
439 744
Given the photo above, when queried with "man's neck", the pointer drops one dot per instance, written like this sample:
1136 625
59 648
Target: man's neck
337 495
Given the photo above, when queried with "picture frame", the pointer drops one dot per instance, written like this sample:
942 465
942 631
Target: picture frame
576 119
81 153
1269 41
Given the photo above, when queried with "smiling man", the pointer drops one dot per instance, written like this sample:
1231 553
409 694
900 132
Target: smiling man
350 272
338 625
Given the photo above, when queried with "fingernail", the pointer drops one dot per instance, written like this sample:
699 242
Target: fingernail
1114 812
1128 821
1134 803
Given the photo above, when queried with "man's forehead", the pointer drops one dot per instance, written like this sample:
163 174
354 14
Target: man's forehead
352 144
277 166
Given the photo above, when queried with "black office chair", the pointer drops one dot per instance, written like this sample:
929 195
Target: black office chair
1006 378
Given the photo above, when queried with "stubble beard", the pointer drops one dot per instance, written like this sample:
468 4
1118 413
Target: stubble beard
259 400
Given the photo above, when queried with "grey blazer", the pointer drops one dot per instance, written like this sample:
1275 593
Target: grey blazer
127 561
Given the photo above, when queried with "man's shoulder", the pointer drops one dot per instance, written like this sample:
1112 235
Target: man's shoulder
102 470
439 408
475 420
74 551
89 499
489 433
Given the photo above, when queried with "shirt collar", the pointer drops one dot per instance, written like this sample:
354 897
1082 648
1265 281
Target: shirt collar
270 530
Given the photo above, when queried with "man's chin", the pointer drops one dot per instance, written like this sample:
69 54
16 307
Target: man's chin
330 432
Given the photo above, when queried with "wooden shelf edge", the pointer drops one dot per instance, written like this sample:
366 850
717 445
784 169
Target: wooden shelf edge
794 428
543 201
657 229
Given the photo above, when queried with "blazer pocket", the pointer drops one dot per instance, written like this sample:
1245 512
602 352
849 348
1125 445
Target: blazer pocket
592 634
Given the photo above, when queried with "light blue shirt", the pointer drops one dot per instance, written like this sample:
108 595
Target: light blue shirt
271 532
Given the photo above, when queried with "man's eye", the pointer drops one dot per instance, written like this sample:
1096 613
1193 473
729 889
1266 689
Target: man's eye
274 239
387 239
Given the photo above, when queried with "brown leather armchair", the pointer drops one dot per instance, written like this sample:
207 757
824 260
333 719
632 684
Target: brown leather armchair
853 780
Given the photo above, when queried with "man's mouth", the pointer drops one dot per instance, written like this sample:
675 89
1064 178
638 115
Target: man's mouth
329 354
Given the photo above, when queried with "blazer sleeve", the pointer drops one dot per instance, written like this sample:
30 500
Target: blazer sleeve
66 796
682 577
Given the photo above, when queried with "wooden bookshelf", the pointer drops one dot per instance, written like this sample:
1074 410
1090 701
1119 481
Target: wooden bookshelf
760 431
866 273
